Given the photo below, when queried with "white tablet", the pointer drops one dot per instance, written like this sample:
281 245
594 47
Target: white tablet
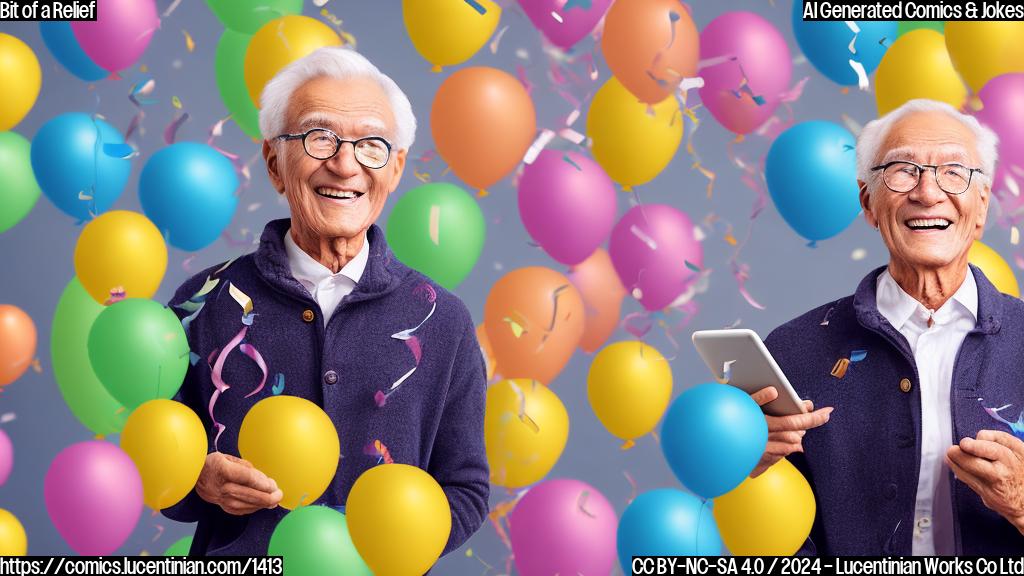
739 358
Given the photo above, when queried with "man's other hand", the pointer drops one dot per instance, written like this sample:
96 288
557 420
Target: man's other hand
235 486
993 466
785 433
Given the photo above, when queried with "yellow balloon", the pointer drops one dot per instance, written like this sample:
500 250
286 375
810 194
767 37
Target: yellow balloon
983 50
770 515
449 32
21 78
631 145
13 541
399 519
167 442
294 442
279 43
526 427
120 249
917 66
998 272
629 386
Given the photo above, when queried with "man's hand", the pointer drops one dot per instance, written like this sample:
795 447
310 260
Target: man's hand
785 433
993 466
235 486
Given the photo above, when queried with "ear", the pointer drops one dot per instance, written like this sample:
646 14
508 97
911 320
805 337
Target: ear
270 158
865 203
979 226
399 168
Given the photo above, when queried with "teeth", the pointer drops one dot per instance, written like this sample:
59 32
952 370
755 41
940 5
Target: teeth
926 222
336 193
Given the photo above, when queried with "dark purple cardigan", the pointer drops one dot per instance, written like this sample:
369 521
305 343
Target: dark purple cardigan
863 464
433 420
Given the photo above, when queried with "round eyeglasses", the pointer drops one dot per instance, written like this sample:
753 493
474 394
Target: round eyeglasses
902 176
322 144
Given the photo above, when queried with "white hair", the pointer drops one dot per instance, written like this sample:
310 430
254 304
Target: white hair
875 132
334 62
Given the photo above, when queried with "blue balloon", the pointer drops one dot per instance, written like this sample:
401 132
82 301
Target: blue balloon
667 522
827 45
61 41
811 170
188 190
713 436
80 163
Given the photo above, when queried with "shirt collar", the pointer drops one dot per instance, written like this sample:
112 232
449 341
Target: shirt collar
305 267
897 306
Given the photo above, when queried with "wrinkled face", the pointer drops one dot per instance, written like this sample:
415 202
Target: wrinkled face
927 228
338 197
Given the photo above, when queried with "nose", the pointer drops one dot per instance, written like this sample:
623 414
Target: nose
344 163
927 191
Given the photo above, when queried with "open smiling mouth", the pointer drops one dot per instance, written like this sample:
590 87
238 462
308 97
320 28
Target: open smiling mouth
335 194
928 224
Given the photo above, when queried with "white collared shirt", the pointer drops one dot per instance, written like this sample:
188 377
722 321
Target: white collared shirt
324 286
935 349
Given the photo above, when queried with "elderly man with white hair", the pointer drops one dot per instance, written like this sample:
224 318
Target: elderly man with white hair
389 355
905 454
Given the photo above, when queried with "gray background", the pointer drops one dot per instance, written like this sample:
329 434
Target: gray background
786 275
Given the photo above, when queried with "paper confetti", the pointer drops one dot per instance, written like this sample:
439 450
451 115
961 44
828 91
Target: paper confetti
858 355
412 343
379 450
839 369
278 386
1016 428
190 44
477 6
497 39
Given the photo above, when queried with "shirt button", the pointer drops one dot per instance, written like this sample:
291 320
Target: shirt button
331 377
924 523
905 385
308 315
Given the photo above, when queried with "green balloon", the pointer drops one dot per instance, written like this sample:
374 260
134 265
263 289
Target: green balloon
18 188
904 27
180 548
247 16
439 230
83 392
230 70
139 351
314 541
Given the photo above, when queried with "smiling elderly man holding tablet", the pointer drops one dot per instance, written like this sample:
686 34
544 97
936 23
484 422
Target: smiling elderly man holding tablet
905 457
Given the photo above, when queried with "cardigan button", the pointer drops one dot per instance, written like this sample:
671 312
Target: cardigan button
308 315
331 377
890 491
905 385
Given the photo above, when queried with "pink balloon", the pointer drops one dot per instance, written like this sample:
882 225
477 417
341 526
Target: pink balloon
567 206
563 526
120 34
761 52
6 457
579 17
94 496
650 247
1003 98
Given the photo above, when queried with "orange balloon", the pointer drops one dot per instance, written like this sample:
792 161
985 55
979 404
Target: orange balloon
483 122
645 38
17 343
534 320
487 350
602 294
